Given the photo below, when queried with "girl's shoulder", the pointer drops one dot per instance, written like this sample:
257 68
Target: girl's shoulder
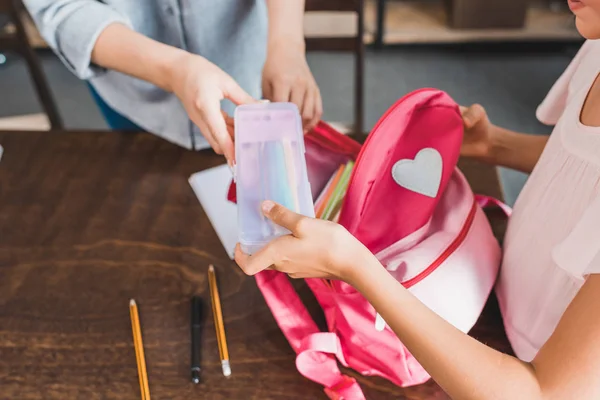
586 66
578 76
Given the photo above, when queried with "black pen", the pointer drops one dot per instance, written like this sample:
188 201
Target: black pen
196 320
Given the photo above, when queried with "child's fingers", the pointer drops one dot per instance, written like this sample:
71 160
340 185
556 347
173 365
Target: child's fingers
266 258
282 216
472 115
253 264
240 257
464 113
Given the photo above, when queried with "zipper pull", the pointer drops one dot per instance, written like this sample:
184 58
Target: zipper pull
379 323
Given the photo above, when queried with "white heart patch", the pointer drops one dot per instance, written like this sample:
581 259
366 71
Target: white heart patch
422 175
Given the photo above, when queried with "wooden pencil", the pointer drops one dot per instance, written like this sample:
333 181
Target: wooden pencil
139 350
219 325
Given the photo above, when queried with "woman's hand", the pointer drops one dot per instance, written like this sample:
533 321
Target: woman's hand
315 249
477 141
286 77
201 85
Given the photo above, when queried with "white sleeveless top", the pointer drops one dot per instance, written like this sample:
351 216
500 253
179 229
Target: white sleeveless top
553 239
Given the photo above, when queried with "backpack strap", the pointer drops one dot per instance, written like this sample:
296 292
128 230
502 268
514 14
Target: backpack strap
337 386
486 201
316 350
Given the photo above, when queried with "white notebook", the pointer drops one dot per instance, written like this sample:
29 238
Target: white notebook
211 187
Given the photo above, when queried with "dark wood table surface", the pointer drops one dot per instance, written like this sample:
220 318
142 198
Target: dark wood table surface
89 220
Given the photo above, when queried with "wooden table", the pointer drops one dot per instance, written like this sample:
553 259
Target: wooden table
90 220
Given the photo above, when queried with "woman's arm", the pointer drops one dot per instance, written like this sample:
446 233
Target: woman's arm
121 49
88 34
199 84
566 367
286 22
286 75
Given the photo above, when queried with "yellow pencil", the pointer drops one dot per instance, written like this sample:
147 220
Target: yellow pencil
219 325
139 350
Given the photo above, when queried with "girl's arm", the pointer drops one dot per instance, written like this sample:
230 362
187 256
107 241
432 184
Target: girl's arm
566 367
514 150
491 144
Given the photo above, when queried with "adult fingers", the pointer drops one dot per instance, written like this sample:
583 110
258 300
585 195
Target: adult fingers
197 119
308 109
210 111
298 94
229 122
281 92
318 110
233 92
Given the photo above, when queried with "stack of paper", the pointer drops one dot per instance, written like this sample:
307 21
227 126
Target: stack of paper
211 188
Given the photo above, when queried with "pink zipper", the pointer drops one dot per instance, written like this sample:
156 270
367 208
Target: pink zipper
449 250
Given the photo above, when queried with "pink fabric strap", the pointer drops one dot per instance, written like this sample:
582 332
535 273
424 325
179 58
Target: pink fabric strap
325 371
316 350
486 201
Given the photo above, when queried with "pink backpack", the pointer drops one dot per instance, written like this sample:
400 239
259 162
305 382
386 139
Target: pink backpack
410 205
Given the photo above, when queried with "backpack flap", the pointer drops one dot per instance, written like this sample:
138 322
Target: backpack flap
403 168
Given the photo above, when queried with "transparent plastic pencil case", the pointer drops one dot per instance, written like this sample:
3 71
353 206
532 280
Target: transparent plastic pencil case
270 165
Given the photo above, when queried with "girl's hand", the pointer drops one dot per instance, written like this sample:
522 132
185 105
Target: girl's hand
286 77
201 85
315 249
477 141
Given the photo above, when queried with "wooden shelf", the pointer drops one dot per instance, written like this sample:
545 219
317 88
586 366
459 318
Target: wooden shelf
420 22
31 122
33 34
425 22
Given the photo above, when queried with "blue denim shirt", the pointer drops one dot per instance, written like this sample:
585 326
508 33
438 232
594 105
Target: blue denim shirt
230 33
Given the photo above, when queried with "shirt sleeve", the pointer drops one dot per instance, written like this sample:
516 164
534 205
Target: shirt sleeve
553 105
71 28
579 252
